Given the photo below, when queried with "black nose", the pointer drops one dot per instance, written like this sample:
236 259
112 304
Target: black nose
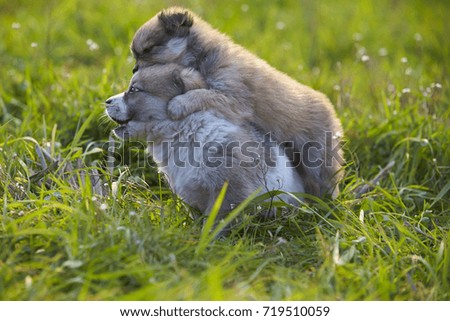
108 101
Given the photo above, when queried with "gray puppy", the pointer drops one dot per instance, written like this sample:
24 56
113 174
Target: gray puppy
245 89
199 153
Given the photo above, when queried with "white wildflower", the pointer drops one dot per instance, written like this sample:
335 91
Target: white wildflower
245 7
280 25
357 36
92 45
361 51
436 85
382 52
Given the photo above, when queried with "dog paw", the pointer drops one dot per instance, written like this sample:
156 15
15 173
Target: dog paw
177 108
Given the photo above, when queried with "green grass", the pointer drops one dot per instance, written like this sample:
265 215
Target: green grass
76 231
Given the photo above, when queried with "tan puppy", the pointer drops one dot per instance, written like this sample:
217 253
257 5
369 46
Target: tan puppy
245 89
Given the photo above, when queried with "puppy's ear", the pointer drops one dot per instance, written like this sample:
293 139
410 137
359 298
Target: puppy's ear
176 21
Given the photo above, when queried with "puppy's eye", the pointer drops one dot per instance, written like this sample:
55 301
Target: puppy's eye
136 68
133 89
147 50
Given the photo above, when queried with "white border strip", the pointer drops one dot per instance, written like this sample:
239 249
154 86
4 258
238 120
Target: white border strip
224 310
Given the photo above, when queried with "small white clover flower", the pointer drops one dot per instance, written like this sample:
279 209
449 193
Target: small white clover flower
245 7
92 45
382 52
362 51
357 36
280 25
436 85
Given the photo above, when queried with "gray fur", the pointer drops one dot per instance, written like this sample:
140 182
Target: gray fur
143 114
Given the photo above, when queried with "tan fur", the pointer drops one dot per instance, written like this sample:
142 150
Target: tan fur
245 89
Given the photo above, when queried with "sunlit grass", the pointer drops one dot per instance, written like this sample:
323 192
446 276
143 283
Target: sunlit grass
74 227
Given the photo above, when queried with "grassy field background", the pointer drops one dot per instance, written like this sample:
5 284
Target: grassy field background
73 229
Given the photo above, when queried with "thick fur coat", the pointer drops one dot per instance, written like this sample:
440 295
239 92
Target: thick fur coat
202 151
244 89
